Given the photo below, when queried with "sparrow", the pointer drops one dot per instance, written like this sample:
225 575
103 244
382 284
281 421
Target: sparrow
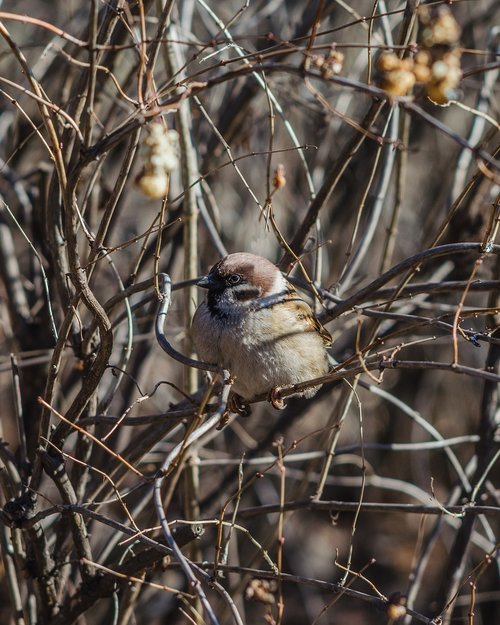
254 324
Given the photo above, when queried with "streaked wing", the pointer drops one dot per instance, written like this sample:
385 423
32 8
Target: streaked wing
305 313
323 332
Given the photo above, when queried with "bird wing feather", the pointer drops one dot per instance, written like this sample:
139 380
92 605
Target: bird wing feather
305 313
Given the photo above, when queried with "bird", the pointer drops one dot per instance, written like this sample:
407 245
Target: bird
254 324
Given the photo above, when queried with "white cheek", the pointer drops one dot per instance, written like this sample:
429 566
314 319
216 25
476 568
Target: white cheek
279 284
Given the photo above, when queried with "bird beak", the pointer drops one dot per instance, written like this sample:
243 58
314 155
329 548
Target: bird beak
205 282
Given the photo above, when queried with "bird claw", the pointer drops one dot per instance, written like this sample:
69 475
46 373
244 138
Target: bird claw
223 420
238 405
275 398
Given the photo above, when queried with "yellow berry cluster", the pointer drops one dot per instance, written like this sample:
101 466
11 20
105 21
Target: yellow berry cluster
436 66
439 28
397 75
160 159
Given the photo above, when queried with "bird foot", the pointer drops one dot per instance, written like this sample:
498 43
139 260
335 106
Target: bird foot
223 420
275 398
238 405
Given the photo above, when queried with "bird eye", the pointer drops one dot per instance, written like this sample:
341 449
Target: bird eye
235 278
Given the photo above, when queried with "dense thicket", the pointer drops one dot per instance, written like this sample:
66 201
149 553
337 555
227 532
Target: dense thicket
357 145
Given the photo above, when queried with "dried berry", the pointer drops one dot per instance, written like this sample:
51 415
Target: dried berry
440 27
333 64
279 179
388 61
160 159
398 82
261 590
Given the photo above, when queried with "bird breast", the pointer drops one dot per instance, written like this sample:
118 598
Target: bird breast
270 347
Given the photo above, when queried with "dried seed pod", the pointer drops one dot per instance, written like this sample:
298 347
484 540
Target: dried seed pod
398 82
388 61
439 70
422 57
318 60
261 590
395 612
153 185
422 73
407 64
397 75
396 606
279 179
333 64
441 27
446 75
160 159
